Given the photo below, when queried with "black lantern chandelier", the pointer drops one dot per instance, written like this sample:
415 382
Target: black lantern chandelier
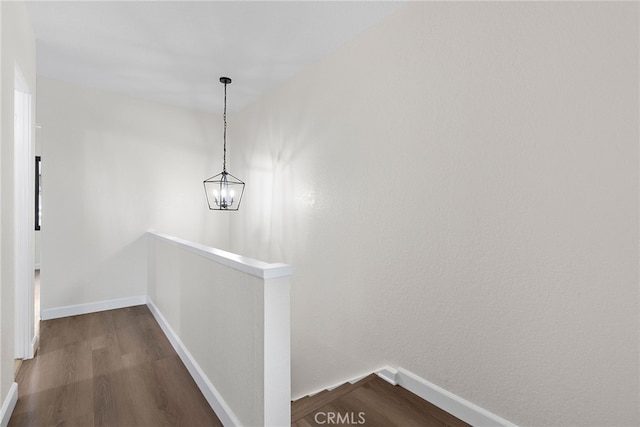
224 191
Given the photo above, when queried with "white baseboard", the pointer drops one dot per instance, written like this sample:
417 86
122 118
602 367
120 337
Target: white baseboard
388 374
33 347
217 403
93 307
453 404
8 405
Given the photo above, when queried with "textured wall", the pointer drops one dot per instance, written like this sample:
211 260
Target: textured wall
457 190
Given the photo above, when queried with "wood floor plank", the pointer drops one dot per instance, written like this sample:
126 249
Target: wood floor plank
73 399
400 405
113 368
153 402
72 402
126 317
183 392
56 335
104 393
301 423
144 337
300 409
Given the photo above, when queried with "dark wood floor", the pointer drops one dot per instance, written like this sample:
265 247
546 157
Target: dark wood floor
370 402
114 368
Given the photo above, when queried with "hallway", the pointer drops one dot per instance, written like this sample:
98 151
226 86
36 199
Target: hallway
112 368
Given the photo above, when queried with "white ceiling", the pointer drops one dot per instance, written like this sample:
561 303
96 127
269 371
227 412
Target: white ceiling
175 51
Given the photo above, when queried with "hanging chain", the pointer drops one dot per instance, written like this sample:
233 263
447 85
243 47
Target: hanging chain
224 161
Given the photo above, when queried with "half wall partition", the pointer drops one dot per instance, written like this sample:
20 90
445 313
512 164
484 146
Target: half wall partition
228 318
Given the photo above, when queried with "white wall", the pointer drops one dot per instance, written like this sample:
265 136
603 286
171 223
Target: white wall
114 167
17 49
457 190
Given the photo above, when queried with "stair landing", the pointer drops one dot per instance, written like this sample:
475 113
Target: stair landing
369 402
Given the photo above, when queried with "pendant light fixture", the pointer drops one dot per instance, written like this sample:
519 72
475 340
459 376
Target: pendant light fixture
224 191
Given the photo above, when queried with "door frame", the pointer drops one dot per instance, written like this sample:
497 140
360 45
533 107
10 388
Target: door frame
23 219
